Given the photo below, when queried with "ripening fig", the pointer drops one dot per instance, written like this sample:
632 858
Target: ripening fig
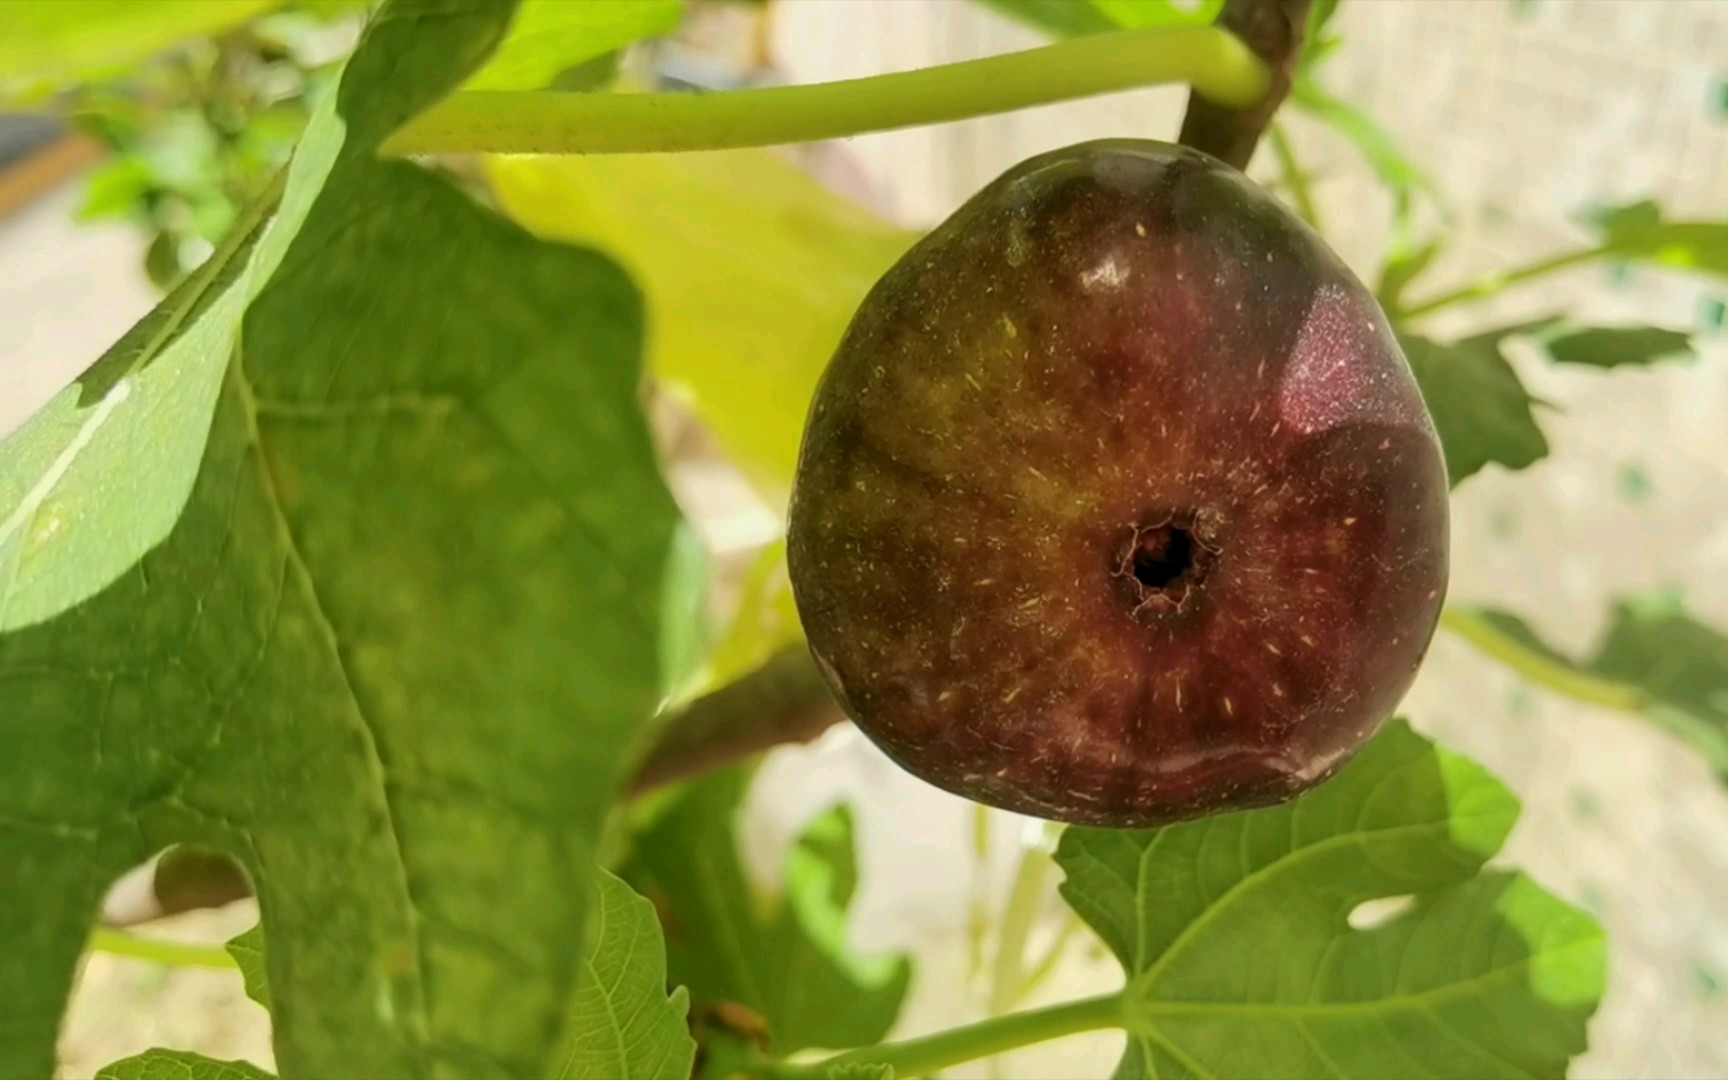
1118 503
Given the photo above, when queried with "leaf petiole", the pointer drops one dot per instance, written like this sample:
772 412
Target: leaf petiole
1483 288
1540 669
1213 61
171 953
987 1038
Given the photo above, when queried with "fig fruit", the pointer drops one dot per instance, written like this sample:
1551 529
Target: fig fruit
1118 503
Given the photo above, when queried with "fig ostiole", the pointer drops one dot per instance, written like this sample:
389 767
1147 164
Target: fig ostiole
1118 503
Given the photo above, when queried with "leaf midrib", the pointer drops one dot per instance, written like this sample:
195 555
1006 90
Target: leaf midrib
1284 863
236 378
1420 999
598 932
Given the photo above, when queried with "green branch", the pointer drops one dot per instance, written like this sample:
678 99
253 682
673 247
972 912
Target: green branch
1485 287
171 953
920 1057
1213 61
1539 668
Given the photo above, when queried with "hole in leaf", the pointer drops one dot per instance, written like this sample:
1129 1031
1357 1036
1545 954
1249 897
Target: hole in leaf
1373 914
158 966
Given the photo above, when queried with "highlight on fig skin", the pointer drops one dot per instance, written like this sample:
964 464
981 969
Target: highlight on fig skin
1118 503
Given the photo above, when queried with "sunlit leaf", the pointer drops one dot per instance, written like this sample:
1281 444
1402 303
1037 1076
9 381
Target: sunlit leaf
180 1065
49 44
247 949
1241 958
551 36
1072 18
751 272
1136 14
626 1026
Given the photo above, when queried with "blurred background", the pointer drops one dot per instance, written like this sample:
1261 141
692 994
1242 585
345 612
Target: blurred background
1525 115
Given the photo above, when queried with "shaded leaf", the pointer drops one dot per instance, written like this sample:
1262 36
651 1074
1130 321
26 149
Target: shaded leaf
549 37
1479 405
749 284
179 1065
247 949
1633 215
1639 231
402 645
1674 668
1241 960
1607 347
790 964
50 44
626 1027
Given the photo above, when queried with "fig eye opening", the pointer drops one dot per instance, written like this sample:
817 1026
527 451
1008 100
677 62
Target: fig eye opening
1160 565
1161 556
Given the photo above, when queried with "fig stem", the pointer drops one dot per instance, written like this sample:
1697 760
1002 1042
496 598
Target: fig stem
172 953
548 122
1542 670
1273 31
1485 287
921 1057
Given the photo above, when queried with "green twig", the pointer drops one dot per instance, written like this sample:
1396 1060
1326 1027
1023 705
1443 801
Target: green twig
1494 283
979 929
172 953
998 1035
1295 178
548 122
1540 669
1019 917
1046 965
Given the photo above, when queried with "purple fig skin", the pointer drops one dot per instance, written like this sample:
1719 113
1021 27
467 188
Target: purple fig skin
1118 504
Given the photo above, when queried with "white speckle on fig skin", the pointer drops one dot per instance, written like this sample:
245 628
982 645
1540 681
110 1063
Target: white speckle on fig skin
1112 345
